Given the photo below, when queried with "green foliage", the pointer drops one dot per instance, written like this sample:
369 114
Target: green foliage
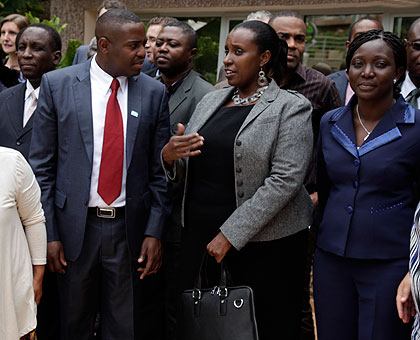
207 51
20 6
54 22
72 46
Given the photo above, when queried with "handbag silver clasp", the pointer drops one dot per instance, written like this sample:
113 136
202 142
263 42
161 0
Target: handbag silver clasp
222 293
238 303
196 294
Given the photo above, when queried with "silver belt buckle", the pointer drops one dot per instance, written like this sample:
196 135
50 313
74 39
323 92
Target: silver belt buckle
105 212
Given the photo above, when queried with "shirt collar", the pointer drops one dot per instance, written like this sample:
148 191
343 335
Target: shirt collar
174 86
407 86
104 79
30 89
300 71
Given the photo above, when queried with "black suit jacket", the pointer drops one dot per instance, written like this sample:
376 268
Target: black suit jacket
12 132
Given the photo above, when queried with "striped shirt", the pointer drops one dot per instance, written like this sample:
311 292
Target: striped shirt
415 272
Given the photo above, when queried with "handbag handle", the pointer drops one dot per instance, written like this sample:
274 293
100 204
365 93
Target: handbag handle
202 273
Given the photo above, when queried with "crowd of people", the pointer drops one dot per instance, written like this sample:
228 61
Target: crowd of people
120 172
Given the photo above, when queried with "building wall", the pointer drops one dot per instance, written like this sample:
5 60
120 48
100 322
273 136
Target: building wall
80 14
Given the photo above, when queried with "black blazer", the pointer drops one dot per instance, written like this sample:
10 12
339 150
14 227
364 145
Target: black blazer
12 132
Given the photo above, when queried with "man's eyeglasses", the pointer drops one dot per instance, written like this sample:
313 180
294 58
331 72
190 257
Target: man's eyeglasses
414 44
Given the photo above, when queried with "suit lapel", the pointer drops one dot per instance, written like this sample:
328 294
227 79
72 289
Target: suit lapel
201 116
181 94
83 102
27 128
269 95
134 110
15 107
385 132
342 129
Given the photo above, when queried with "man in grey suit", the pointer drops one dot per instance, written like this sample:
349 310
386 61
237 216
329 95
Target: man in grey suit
175 49
340 78
98 131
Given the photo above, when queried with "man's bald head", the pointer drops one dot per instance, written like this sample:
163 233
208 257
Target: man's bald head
414 26
108 24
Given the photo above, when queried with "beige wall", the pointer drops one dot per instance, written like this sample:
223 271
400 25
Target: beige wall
80 14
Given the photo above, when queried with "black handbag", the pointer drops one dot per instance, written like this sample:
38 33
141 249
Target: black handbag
219 313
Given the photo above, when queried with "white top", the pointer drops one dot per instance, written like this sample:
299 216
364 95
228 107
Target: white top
29 101
19 206
408 86
100 84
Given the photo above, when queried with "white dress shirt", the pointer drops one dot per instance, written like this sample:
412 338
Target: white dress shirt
100 83
408 86
30 106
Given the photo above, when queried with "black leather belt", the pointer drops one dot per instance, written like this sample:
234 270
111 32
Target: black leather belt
107 212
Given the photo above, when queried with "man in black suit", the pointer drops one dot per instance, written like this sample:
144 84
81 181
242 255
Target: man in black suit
39 51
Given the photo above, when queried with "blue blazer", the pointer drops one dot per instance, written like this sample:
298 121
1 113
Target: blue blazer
12 133
62 151
368 195
341 82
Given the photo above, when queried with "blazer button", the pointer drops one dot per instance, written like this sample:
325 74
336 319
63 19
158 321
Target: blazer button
241 194
355 184
356 162
238 169
239 182
238 155
349 209
238 143
18 143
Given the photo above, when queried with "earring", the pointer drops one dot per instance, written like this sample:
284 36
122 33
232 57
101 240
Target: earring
395 81
262 79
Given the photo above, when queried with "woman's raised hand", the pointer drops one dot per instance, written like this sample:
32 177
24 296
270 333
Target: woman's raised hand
180 146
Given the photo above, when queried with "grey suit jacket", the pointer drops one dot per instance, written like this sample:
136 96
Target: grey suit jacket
62 152
12 132
272 151
186 97
81 55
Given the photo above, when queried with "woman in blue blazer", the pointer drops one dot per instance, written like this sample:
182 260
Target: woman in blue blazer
369 158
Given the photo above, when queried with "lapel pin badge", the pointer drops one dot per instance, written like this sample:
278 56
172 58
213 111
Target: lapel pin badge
134 113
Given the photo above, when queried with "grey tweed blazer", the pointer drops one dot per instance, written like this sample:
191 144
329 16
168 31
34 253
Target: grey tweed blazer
271 154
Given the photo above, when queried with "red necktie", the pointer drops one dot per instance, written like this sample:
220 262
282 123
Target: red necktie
110 172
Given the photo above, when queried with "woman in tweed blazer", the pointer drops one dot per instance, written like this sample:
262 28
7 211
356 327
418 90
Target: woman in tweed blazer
244 187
